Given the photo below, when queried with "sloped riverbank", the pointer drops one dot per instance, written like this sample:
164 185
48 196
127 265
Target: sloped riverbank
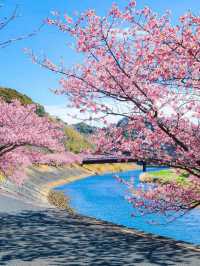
34 233
31 235
103 197
41 179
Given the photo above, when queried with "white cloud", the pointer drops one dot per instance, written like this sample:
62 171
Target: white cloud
120 33
72 115
60 111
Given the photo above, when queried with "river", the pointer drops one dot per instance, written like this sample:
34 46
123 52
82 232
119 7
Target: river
102 197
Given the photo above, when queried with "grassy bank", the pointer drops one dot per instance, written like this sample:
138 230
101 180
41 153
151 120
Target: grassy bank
164 176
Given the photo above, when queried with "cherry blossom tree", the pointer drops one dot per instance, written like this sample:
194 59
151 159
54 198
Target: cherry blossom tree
140 66
171 200
26 138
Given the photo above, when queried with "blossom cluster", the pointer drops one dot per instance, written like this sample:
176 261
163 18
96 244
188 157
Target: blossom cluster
26 138
136 58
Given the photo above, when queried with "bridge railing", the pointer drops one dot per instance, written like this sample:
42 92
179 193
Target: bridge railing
113 159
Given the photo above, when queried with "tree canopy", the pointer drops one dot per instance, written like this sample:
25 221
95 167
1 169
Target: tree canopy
140 66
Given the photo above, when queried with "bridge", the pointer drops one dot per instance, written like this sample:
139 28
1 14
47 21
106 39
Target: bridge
112 159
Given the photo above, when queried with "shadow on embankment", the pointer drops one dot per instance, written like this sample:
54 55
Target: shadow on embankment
55 238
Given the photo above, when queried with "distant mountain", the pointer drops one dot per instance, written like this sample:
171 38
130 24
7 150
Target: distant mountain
122 122
84 128
169 148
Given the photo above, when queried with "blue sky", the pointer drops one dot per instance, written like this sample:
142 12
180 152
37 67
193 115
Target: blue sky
17 70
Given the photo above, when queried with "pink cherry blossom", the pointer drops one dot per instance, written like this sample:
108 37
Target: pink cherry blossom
26 138
139 59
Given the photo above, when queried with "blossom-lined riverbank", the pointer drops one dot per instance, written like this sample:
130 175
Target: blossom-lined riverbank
43 178
103 197
85 171
52 236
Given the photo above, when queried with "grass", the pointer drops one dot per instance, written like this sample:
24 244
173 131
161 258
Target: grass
167 175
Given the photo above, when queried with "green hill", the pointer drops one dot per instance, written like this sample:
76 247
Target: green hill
10 94
75 142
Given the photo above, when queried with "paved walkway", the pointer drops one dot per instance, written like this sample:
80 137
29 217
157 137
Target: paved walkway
30 235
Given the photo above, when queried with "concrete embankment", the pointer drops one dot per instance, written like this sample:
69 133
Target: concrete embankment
41 179
35 188
38 235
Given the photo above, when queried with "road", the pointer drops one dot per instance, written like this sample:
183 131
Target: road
32 235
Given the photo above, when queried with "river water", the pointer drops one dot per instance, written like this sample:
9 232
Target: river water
103 197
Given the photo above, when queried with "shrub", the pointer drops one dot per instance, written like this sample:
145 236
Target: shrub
60 200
